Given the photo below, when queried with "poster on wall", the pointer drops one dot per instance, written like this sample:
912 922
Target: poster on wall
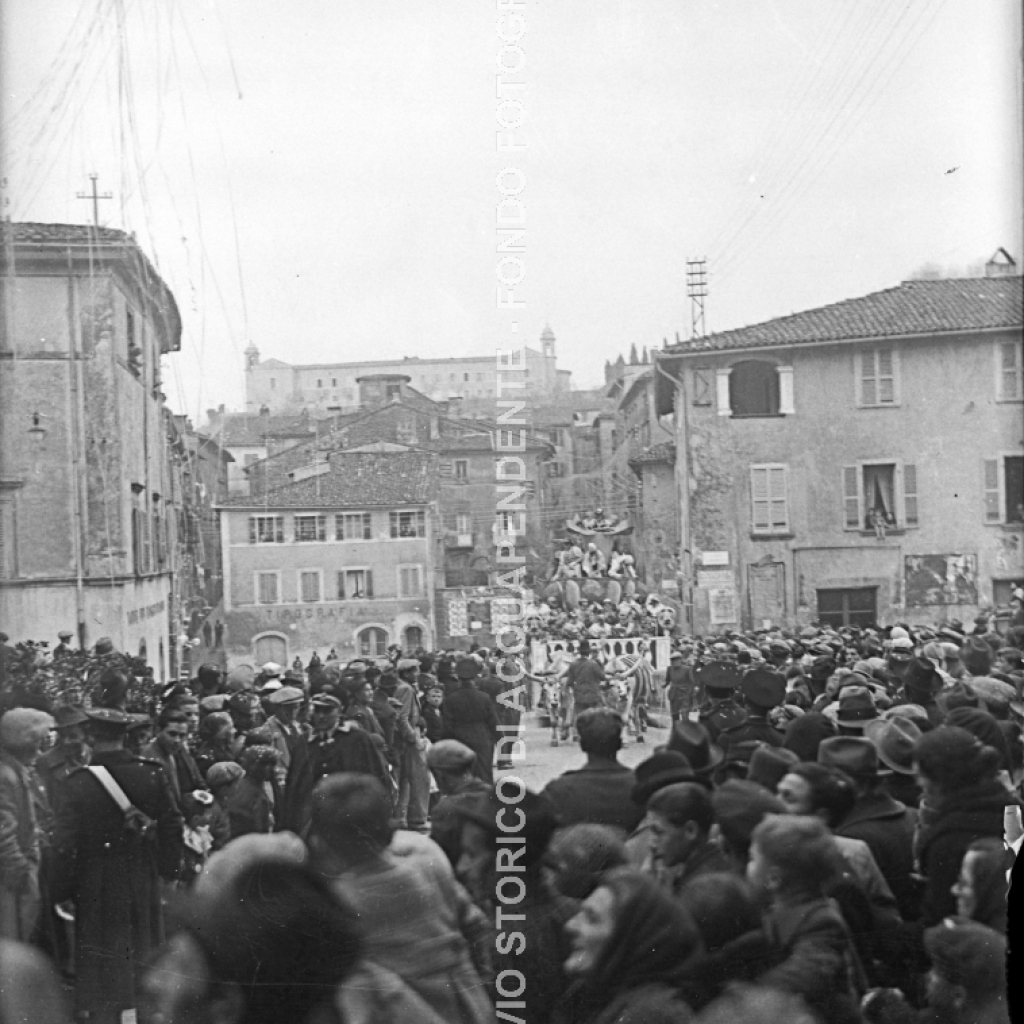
940 580
723 606
458 618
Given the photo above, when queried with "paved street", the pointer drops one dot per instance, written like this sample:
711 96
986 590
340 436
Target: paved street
543 761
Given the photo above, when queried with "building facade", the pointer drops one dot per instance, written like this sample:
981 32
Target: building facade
323 388
342 555
856 463
88 499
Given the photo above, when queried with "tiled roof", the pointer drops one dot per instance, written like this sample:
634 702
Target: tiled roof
252 428
355 480
76 234
915 307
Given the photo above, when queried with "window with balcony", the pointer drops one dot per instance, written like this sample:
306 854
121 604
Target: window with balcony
310 528
408 524
266 529
352 526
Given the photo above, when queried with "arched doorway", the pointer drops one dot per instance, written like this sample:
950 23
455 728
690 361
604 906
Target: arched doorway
412 639
271 647
373 642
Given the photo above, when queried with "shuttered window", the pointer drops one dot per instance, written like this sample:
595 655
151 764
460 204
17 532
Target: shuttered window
309 586
268 590
991 485
352 526
410 581
878 377
1010 383
910 494
769 507
1003 485
6 540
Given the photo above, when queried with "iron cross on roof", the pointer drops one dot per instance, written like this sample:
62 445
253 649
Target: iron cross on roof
95 197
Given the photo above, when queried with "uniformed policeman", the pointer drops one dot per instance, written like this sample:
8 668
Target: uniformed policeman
69 753
718 680
113 869
762 690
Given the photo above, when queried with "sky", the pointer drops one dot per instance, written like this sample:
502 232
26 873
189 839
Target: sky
319 178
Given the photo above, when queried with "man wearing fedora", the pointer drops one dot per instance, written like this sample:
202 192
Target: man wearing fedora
659 770
921 686
885 824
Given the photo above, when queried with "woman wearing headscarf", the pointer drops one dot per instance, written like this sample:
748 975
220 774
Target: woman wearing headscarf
981 889
962 800
630 944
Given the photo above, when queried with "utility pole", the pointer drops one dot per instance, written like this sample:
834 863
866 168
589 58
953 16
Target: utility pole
697 290
95 197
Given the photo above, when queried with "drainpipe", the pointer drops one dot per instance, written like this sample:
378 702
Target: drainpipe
682 469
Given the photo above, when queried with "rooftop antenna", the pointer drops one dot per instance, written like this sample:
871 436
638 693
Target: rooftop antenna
697 290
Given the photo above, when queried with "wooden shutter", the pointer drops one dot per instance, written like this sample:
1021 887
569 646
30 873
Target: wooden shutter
886 376
369 583
760 516
6 540
853 517
778 513
868 379
991 482
909 494
702 386
1009 371
341 585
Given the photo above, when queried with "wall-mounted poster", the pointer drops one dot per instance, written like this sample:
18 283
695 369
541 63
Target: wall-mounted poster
940 579
458 619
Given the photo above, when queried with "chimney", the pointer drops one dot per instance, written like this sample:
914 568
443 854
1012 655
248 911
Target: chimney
378 389
1001 264
455 407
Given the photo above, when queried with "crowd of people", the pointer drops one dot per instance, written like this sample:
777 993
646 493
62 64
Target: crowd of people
827 834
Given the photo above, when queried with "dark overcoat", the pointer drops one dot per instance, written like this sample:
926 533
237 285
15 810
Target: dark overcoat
114 879
469 716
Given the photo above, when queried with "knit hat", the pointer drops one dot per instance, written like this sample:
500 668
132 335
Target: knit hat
804 735
983 725
223 773
739 805
976 655
661 769
769 764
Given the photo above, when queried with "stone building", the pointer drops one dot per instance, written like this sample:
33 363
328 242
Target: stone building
324 388
342 554
88 506
854 463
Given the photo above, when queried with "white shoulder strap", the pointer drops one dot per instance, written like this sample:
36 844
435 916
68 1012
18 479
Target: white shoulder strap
109 783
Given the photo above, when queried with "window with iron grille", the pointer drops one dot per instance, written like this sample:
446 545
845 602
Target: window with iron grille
408 524
310 527
352 526
266 529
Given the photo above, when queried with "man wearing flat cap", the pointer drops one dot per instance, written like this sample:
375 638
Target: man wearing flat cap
64 648
413 775
69 753
452 764
112 872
